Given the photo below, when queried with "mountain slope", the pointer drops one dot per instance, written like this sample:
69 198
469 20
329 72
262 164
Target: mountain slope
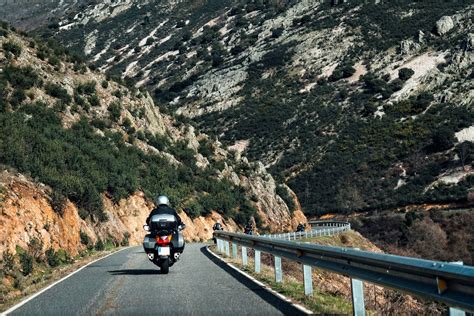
356 105
97 143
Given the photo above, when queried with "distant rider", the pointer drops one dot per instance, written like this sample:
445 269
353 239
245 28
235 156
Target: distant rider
249 229
217 226
164 208
300 228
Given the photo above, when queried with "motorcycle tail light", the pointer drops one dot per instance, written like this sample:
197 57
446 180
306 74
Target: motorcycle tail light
164 240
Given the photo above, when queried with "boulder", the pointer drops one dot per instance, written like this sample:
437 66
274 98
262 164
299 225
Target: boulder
444 25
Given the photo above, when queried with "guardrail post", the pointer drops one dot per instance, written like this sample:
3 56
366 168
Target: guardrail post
234 250
278 272
218 241
244 256
227 250
453 311
357 288
308 280
257 261
358 305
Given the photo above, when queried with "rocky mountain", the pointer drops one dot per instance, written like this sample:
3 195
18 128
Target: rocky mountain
83 158
356 105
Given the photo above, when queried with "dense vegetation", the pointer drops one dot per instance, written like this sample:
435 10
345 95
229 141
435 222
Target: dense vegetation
437 235
326 142
82 165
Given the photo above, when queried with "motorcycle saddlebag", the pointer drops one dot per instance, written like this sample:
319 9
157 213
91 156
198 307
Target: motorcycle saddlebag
149 243
178 241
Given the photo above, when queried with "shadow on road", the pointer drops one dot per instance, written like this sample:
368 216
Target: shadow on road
134 272
285 307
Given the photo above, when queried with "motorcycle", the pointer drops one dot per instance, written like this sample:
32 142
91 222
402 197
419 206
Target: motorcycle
216 226
165 242
300 228
248 230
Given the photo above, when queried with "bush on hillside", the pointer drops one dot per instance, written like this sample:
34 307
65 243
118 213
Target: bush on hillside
12 47
405 73
55 90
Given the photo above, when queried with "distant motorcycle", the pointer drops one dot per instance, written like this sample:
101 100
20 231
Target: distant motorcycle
165 242
300 228
217 226
248 230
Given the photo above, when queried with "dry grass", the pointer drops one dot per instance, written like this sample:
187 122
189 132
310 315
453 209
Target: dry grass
332 292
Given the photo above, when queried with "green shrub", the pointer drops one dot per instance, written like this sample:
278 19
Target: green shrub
84 238
21 77
56 91
443 139
54 61
17 97
12 47
343 70
94 100
58 202
405 73
52 258
26 262
99 246
86 88
104 84
115 110
283 192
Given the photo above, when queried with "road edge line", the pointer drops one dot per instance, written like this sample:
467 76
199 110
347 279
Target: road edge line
264 286
31 297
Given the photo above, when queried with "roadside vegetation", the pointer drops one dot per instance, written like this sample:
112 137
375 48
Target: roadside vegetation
445 235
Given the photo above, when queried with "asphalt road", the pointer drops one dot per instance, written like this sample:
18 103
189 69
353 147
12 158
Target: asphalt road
126 283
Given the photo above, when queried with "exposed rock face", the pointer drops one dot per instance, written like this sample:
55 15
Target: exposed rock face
26 213
470 41
444 25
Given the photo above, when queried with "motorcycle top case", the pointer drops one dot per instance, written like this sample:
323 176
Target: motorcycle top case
163 221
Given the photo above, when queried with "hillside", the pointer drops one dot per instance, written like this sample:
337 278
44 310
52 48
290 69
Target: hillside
84 155
356 106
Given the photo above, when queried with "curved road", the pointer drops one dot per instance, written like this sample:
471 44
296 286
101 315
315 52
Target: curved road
126 283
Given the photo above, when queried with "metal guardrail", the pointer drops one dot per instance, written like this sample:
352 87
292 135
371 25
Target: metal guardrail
319 228
440 281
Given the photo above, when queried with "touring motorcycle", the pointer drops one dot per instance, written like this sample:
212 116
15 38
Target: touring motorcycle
164 243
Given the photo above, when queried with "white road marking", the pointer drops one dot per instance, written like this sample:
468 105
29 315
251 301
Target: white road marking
269 289
26 300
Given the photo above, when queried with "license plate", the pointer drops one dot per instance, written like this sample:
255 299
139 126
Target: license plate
163 251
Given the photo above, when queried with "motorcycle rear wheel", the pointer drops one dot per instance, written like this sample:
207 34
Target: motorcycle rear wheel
165 266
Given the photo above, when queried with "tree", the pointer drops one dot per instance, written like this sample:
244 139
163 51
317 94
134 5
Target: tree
442 139
405 73
465 151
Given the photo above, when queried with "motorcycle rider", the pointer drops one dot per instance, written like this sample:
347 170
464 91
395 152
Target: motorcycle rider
217 226
300 228
249 228
163 208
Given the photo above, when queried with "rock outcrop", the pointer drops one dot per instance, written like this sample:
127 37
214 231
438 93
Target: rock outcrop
26 214
444 25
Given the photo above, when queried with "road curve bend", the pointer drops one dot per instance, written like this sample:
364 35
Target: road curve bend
126 283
